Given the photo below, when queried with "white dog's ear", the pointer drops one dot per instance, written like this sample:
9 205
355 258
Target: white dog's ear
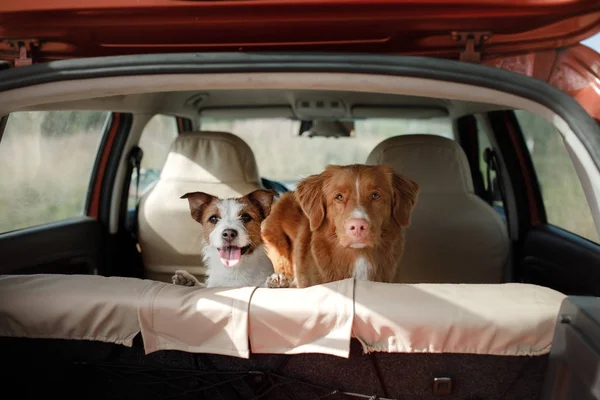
198 202
263 199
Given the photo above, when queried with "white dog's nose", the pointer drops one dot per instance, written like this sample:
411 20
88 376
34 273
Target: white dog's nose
229 234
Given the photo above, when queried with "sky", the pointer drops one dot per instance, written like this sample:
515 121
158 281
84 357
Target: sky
593 42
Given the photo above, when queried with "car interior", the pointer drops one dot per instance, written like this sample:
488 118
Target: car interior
503 245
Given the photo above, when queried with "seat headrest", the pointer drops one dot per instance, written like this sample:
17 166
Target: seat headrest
210 157
438 164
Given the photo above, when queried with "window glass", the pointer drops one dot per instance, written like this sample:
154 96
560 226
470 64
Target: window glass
564 200
155 141
46 164
285 156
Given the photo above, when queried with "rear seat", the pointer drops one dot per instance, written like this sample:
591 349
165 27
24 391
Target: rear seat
454 237
218 163
146 338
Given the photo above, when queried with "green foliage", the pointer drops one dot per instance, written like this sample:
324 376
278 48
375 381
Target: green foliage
44 177
564 199
282 155
65 123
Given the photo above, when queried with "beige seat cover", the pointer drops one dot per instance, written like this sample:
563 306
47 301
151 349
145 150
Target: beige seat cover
454 237
493 319
510 319
71 307
217 163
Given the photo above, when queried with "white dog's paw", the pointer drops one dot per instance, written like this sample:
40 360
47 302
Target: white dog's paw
184 278
278 281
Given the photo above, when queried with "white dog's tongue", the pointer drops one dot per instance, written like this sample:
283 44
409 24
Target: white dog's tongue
230 255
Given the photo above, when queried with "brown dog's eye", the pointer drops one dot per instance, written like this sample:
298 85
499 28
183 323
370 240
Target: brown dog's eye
245 218
213 219
339 197
375 195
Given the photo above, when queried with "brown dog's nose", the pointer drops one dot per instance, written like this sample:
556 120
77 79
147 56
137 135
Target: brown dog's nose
229 234
357 227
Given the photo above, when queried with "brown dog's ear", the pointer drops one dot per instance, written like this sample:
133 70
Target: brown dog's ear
198 202
309 194
406 193
263 199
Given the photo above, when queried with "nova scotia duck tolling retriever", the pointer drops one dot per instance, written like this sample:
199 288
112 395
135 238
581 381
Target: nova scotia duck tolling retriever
346 222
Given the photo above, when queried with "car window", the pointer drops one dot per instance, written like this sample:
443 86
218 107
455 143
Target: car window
284 156
155 141
564 200
46 163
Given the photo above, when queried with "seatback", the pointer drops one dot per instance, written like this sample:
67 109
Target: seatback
130 338
217 163
454 237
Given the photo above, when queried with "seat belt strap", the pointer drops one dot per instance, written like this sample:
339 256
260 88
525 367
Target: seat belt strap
135 162
491 160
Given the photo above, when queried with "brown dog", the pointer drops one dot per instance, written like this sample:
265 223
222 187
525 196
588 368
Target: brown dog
347 221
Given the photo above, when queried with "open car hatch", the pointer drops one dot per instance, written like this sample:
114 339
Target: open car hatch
38 31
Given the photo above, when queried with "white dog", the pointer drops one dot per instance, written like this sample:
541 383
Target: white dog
234 253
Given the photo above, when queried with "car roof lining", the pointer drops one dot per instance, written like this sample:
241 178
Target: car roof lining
271 103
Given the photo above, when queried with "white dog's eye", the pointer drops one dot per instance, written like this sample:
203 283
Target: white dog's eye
245 218
375 195
213 219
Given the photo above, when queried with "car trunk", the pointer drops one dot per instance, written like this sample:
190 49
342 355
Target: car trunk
124 338
96 337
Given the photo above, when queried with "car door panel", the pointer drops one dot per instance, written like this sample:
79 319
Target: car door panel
66 247
545 254
562 261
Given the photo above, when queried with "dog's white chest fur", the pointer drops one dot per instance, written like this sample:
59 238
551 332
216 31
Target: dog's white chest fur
361 269
252 270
